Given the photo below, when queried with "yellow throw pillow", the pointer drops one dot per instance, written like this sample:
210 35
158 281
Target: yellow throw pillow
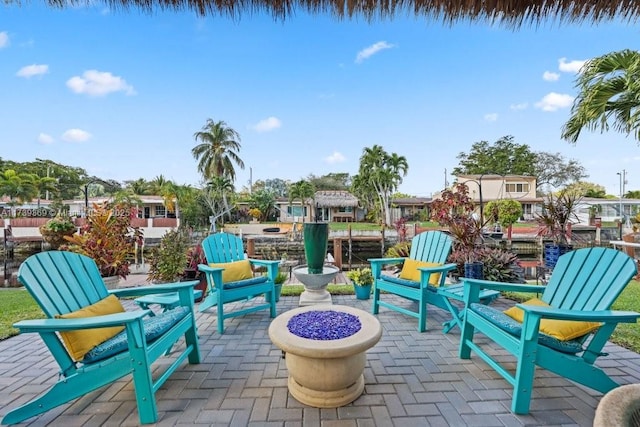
563 330
80 342
410 271
234 271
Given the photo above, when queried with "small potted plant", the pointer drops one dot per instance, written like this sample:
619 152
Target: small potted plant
558 212
54 230
362 280
280 279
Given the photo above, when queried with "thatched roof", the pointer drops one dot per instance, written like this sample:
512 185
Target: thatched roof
511 13
335 199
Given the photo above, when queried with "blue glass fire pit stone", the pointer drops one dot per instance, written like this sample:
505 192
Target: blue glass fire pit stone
324 325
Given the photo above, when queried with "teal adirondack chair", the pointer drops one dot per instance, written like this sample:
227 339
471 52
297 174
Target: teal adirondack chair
65 282
583 286
227 248
431 246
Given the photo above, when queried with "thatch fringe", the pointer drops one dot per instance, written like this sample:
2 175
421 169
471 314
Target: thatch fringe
512 13
335 199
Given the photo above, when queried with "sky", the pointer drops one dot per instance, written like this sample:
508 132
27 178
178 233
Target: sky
121 93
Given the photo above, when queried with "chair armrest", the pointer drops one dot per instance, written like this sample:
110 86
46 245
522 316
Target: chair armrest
377 263
53 325
606 316
383 261
502 286
153 289
264 262
439 269
472 288
206 269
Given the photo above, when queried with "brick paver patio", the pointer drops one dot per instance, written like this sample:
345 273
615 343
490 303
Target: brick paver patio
411 379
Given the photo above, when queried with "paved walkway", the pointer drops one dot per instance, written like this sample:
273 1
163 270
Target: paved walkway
411 379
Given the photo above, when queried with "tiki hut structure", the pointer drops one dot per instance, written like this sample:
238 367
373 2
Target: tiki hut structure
510 13
338 206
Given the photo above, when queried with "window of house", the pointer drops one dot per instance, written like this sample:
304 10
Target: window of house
345 209
296 210
517 187
160 210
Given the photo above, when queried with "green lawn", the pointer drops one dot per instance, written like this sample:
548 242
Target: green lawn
17 304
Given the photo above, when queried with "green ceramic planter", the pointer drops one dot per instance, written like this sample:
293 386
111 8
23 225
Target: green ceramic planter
316 238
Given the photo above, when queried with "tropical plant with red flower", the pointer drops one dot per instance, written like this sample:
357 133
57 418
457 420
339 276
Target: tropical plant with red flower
455 210
107 237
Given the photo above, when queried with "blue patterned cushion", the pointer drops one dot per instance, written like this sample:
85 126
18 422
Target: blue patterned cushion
246 282
405 282
514 328
154 327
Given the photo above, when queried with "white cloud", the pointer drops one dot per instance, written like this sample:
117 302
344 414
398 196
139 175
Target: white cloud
76 135
550 77
268 124
4 39
570 66
44 138
33 70
554 101
372 50
335 157
521 106
97 83
491 117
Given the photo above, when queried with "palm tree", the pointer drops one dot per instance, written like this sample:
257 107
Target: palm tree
380 173
140 186
217 151
609 95
20 187
301 190
44 184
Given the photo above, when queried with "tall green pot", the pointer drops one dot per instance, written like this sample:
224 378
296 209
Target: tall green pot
316 238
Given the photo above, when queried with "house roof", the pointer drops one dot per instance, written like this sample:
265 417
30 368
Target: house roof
335 199
512 13
412 201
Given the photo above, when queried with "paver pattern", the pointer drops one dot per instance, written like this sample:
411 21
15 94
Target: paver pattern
411 379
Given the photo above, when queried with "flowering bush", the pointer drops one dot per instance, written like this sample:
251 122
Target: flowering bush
255 213
455 210
108 238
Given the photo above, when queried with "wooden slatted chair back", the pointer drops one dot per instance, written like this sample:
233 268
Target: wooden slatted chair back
223 247
62 282
431 246
589 279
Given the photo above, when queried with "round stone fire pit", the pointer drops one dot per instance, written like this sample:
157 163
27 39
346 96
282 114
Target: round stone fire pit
325 350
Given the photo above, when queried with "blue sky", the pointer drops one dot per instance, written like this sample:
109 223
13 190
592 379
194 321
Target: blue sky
121 94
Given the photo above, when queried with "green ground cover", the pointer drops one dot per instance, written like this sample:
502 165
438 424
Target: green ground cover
17 304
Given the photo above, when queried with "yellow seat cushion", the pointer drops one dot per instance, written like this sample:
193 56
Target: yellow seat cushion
80 342
234 271
563 330
410 271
